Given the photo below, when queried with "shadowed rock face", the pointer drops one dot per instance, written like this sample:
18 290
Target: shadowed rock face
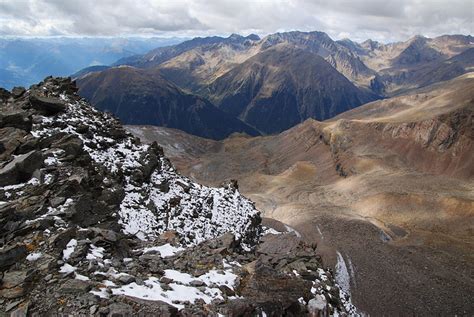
389 185
283 86
142 97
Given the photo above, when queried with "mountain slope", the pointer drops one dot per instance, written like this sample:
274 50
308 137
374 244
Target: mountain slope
162 54
339 56
139 96
416 63
111 228
389 185
283 86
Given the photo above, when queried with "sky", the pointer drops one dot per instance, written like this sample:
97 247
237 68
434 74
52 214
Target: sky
382 20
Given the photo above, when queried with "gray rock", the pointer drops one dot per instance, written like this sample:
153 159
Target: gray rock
20 168
11 255
73 286
120 310
197 283
21 311
17 92
108 235
49 106
93 309
317 307
62 239
126 279
274 244
16 119
15 283
56 201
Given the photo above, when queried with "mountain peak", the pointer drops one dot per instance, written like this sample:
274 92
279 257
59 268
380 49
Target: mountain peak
234 36
253 37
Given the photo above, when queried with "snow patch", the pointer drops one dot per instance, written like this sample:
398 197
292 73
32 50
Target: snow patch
70 247
290 229
342 274
34 256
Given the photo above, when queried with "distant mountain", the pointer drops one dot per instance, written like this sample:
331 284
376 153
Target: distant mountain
283 86
415 63
24 61
196 63
162 54
280 80
400 81
140 96
339 56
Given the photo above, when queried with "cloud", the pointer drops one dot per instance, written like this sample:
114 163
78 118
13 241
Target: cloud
385 20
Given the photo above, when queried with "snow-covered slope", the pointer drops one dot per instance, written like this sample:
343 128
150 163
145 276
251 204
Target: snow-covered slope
156 197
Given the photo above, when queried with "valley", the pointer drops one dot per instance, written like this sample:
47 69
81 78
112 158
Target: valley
365 184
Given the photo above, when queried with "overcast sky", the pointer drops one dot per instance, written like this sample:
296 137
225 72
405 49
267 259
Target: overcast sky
383 20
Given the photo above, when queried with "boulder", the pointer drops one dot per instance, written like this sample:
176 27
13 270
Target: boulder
317 307
20 168
239 307
4 94
71 145
11 139
11 255
17 92
21 311
15 283
74 286
120 310
62 239
47 105
266 285
16 119
274 244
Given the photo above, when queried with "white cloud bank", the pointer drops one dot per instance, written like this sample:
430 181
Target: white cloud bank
384 20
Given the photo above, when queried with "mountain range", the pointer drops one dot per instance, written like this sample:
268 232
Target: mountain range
273 83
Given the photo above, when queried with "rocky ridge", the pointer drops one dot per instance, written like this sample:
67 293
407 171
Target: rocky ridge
93 222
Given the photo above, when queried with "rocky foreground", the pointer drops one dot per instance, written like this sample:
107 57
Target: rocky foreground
93 222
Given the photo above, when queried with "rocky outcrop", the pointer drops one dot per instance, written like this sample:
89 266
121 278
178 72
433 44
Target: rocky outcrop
93 222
